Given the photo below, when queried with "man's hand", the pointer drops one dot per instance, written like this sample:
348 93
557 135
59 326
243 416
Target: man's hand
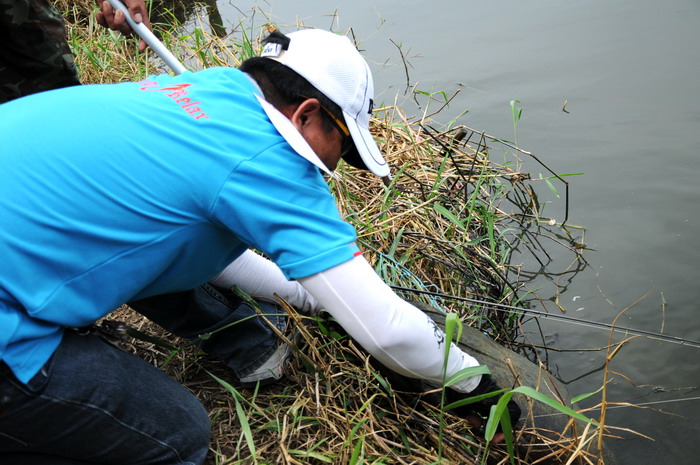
116 21
478 413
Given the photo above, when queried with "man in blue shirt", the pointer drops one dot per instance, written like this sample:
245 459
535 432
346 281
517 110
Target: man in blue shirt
202 167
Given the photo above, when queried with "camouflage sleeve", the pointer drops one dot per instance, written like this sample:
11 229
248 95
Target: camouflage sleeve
34 52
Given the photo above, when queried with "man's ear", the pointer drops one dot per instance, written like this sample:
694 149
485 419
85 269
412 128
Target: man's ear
306 113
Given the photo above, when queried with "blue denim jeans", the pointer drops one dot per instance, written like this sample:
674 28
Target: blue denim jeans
239 336
94 403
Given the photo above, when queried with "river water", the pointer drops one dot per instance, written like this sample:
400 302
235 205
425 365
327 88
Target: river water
628 75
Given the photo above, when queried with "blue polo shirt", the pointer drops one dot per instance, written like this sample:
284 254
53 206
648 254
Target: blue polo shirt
110 193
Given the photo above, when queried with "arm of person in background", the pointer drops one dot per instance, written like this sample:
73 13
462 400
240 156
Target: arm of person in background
115 20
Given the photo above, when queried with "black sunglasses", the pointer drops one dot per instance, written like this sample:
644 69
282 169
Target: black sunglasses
347 144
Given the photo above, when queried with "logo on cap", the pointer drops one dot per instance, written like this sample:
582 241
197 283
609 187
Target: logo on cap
271 49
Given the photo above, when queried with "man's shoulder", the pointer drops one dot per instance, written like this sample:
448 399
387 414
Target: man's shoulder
231 79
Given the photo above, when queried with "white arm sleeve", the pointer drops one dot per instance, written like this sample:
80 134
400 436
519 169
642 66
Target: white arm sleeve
261 278
398 334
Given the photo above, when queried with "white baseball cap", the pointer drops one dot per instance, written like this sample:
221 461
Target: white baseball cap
332 64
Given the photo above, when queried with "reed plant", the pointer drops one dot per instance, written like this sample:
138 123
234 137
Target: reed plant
457 212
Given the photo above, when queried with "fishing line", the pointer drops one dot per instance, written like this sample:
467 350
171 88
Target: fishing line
642 404
555 316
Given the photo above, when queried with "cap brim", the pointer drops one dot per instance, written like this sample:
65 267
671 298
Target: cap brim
366 154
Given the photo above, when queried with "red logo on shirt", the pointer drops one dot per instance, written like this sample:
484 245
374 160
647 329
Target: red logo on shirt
177 92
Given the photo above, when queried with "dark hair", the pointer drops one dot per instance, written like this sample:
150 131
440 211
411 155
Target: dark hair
282 86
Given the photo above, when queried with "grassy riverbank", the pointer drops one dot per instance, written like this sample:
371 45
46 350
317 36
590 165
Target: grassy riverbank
459 209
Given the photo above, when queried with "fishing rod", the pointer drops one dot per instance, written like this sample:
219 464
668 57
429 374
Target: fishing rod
540 314
150 38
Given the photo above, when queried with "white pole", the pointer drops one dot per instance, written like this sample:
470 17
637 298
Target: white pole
150 38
